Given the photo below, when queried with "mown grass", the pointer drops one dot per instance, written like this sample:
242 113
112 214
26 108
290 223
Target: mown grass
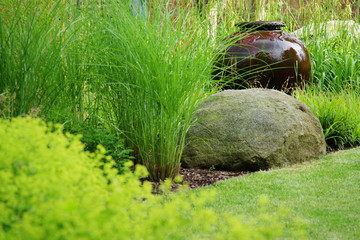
324 193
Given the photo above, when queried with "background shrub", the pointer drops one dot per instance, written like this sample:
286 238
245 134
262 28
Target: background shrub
112 142
332 94
37 40
339 115
52 189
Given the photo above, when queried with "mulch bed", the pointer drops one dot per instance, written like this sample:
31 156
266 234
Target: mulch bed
196 178
201 177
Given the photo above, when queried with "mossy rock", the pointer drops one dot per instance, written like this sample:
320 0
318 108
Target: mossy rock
252 129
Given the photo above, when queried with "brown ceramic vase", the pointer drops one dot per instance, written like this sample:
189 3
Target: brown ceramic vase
263 55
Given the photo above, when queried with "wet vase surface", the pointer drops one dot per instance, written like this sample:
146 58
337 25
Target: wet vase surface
263 55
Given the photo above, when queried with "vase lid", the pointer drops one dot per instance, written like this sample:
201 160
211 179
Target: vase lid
261 25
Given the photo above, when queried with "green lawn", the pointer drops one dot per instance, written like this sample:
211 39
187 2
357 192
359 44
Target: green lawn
326 193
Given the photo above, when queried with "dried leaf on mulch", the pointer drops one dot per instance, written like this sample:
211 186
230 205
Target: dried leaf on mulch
196 178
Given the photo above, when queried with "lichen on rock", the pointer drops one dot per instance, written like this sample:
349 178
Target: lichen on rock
252 129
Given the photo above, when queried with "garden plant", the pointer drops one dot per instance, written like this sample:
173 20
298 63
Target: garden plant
56 190
130 77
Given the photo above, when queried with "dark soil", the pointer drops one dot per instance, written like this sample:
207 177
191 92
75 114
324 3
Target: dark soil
202 177
196 178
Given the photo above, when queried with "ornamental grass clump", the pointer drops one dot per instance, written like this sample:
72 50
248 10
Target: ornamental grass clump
52 189
339 115
39 57
332 94
153 70
336 59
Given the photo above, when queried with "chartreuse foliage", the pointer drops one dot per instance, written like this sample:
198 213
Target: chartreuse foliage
51 188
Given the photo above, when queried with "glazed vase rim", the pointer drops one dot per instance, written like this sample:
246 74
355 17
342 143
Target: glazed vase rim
261 25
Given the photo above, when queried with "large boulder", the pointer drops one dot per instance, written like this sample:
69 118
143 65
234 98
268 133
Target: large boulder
252 129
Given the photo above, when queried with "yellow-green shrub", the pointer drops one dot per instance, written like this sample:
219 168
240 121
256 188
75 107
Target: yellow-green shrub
51 189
